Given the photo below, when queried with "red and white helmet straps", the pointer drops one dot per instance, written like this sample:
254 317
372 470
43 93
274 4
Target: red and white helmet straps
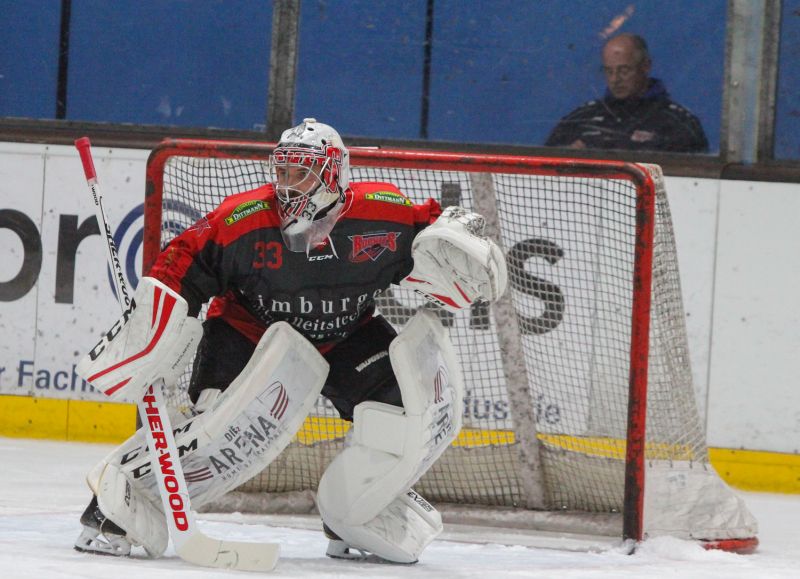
332 168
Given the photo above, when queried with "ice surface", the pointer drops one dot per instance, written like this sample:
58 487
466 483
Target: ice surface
42 494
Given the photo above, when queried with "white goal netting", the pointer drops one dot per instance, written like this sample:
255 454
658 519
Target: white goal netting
546 422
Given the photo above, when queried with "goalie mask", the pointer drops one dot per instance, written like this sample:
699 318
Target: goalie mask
310 171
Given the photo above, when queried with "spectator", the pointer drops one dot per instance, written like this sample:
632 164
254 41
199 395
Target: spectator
636 112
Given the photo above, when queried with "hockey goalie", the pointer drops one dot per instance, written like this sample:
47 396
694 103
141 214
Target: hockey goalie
292 270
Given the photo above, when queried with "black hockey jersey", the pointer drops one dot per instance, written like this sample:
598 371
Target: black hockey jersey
237 256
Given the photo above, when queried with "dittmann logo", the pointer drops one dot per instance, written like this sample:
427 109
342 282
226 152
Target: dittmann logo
245 210
389 197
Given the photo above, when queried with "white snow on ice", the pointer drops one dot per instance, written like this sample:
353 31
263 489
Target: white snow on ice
43 493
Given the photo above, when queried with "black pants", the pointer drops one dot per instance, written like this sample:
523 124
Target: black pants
360 368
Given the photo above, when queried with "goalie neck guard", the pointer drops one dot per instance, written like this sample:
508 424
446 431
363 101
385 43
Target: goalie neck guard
310 170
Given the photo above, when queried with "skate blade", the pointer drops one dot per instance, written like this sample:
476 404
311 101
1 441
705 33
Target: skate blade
90 541
341 550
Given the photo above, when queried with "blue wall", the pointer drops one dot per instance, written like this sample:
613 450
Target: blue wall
787 105
165 62
29 58
531 63
360 66
170 62
503 71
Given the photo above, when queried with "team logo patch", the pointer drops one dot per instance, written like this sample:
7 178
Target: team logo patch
246 210
388 197
372 245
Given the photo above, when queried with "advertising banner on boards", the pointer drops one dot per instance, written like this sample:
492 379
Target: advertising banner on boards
55 293
56 297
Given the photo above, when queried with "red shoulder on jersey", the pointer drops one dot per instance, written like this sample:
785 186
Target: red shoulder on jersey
243 212
237 215
385 202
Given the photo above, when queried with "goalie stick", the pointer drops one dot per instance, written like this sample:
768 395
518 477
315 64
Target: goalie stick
190 543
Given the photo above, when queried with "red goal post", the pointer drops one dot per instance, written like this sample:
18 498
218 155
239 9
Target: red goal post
566 367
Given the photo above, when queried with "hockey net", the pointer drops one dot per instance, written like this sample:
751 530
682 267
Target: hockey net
588 346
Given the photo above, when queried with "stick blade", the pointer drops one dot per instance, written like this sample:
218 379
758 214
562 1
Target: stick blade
243 556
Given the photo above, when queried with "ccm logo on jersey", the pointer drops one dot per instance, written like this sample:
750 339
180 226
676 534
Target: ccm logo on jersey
319 257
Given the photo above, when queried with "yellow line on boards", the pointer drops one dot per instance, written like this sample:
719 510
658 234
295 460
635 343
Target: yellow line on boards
754 470
57 419
745 469
89 421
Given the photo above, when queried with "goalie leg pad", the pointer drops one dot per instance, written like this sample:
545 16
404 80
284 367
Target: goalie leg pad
235 439
140 517
399 533
392 447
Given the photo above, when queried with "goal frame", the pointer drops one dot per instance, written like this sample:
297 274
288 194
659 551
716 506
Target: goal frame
645 207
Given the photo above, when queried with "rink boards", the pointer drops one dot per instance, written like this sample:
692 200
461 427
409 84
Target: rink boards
89 421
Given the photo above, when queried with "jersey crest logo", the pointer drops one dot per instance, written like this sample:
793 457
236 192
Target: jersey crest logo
388 197
372 245
246 209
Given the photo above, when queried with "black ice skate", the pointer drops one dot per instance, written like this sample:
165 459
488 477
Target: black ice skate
101 536
338 548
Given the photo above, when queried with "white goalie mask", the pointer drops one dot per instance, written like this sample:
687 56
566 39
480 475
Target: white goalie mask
310 171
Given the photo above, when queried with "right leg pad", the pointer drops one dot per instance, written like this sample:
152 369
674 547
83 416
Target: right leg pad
233 440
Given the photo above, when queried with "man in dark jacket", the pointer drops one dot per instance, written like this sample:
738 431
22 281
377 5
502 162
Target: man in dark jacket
636 112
